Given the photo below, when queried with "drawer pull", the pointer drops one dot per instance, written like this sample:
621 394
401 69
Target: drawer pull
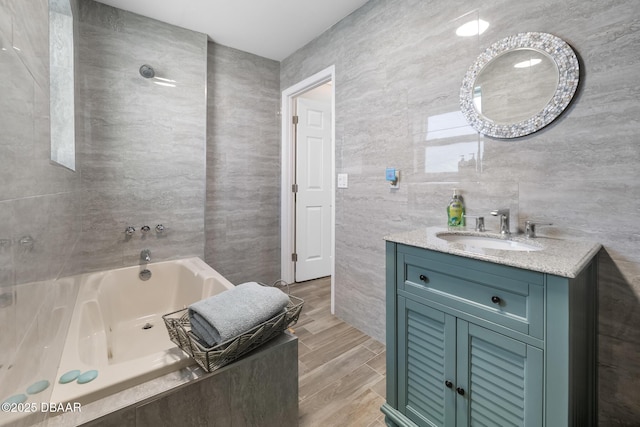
460 391
448 383
424 278
496 300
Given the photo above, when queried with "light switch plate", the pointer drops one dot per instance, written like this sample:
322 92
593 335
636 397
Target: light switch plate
343 180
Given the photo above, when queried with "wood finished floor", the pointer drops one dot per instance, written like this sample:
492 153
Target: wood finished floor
341 370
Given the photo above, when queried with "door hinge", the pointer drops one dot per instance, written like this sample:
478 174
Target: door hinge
295 120
294 188
294 257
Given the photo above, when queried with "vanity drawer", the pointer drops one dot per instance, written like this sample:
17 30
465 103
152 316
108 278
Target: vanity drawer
482 293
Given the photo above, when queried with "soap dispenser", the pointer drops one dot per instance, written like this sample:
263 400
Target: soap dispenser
455 210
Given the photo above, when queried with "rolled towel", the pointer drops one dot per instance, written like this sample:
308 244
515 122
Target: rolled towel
231 313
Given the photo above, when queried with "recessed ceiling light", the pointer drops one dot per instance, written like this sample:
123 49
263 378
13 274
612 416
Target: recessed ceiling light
472 28
528 63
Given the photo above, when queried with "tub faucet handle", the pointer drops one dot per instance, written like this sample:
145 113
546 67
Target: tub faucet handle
530 228
129 231
145 229
159 228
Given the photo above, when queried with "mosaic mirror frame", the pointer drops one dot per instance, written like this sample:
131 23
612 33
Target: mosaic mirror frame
568 77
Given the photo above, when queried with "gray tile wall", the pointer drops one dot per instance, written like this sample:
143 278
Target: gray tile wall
142 156
31 189
243 166
399 66
37 200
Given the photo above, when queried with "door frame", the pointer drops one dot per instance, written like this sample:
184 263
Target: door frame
287 205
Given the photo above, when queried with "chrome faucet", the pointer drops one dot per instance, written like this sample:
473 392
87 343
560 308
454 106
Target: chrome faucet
503 214
145 256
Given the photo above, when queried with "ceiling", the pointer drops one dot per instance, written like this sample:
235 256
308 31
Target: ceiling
273 29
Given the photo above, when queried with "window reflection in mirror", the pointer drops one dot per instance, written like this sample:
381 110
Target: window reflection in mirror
515 86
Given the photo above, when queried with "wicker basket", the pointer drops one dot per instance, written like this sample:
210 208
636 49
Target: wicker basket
212 358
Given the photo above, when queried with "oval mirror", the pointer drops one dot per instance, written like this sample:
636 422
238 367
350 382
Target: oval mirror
519 85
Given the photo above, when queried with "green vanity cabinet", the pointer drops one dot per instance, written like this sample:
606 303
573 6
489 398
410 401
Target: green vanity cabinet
445 360
475 343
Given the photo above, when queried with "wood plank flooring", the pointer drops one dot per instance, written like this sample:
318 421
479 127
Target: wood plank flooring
341 370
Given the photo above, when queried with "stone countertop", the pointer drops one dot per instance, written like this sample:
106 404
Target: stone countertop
564 258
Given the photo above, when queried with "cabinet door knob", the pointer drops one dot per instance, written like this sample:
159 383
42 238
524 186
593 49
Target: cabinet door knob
496 300
460 391
448 383
424 278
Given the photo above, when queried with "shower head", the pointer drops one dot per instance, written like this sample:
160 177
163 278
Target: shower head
147 72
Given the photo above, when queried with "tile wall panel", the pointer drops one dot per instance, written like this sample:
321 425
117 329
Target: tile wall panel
142 155
243 166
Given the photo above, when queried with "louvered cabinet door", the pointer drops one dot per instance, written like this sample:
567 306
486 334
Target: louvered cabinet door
426 364
501 378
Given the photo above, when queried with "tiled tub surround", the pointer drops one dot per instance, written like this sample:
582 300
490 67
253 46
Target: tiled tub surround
559 257
260 389
399 67
141 145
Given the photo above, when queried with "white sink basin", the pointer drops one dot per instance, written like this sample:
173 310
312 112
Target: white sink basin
488 242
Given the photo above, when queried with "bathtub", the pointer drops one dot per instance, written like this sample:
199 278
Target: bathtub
117 329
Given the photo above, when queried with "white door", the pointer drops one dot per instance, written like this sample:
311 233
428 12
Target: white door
313 198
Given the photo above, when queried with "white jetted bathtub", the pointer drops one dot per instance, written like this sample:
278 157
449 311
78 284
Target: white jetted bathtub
117 329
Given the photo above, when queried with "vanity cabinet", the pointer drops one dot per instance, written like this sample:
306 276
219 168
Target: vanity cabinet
475 343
